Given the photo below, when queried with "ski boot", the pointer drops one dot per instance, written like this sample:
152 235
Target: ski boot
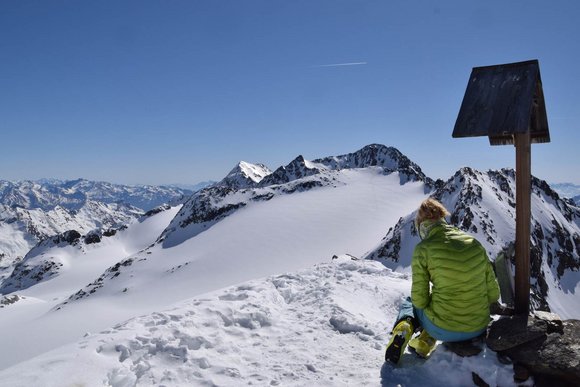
422 345
399 339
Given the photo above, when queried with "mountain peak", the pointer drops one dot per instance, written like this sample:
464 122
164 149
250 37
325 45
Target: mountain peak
378 155
296 169
245 175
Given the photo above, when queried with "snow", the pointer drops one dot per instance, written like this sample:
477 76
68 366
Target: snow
284 234
21 229
245 175
255 172
28 328
254 298
324 326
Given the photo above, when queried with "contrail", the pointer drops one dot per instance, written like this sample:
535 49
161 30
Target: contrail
342 64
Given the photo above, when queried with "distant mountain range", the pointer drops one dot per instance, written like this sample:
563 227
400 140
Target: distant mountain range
74 194
568 190
31 211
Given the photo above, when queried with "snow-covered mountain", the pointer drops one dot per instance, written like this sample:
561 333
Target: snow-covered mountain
192 187
31 211
41 263
357 180
74 194
21 229
245 175
249 183
483 204
72 262
208 281
389 159
281 228
568 190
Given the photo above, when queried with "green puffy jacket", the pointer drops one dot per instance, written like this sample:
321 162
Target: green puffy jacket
462 278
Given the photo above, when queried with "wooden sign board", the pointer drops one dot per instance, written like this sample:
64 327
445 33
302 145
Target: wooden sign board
506 103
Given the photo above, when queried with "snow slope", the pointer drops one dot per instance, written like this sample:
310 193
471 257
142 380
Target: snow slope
285 233
21 228
28 328
325 326
31 211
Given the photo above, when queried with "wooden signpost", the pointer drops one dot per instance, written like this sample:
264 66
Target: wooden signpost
506 103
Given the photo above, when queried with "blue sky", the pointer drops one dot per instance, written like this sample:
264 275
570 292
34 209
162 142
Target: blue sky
180 91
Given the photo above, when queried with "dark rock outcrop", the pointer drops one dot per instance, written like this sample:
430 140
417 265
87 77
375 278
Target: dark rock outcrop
70 237
548 348
92 237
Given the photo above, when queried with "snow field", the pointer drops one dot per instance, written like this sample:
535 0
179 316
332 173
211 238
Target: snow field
286 233
325 326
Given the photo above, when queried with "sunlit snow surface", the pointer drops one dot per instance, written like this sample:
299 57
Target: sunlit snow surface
285 234
325 326
255 299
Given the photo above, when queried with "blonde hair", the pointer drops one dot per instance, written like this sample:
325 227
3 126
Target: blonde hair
430 209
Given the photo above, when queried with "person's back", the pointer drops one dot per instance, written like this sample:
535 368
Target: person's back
462 278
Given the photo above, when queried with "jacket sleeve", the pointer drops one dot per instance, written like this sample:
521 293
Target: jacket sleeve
492 285
420 287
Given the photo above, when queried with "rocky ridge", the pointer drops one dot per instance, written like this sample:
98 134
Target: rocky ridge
541 345
483 204
240 188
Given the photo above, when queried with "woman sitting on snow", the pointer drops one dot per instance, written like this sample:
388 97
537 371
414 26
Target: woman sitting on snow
463 285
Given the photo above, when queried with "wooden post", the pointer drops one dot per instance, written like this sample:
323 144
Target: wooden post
523 221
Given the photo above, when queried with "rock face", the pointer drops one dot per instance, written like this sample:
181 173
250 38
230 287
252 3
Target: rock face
548 348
